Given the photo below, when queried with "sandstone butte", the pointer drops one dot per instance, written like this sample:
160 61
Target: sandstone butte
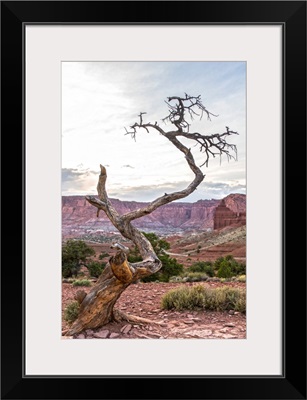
77 213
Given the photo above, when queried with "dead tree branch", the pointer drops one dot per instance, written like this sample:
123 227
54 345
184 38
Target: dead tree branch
209 145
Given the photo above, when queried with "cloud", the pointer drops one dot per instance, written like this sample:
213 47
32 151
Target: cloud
70 174
223 185
75 181
101 98
146 192
84 181
217 190
206 190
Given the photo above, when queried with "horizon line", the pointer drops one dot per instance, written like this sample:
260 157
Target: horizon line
141 201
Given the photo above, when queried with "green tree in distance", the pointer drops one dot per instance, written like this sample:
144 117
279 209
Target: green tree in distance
75 253
170 266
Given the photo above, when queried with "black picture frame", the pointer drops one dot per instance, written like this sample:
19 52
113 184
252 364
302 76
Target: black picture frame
292 16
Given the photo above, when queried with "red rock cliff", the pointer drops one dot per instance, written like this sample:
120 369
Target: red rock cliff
77 213
224 216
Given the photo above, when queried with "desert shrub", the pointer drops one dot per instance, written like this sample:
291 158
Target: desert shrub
184 298
218 299
71 312
82 282
217 263
95 268
241 304
222 280
240 269
227 267
202 266
194 277
225 298
224 270
241 278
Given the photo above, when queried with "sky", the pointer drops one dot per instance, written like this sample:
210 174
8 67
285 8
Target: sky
100 99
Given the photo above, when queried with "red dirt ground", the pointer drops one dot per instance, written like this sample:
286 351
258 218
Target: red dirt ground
144 300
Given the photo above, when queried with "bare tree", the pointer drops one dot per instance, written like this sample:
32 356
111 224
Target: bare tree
97 307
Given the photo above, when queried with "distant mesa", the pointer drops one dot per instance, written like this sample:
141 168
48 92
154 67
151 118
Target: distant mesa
79 217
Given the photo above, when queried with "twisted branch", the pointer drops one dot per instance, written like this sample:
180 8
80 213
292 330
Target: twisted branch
210 145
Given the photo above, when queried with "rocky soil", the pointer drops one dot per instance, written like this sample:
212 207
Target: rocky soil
144 300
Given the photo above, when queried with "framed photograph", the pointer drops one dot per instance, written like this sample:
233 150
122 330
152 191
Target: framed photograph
161 154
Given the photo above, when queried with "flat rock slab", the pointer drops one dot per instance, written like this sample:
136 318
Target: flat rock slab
102 334
126 329
114 335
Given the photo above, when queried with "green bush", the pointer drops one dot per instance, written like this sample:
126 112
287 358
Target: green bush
202 266
159 245
74 254
133 257
200 297
194 277
95 268
227 267
240 269
170 266
69 269
71 312
225 270
82 282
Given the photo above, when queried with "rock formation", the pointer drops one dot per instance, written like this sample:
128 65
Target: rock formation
79 216
224 216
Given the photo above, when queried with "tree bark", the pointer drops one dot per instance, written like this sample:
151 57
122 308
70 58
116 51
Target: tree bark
96 309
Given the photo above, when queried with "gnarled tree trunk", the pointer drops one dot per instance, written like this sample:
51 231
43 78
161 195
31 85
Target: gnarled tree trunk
97 307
